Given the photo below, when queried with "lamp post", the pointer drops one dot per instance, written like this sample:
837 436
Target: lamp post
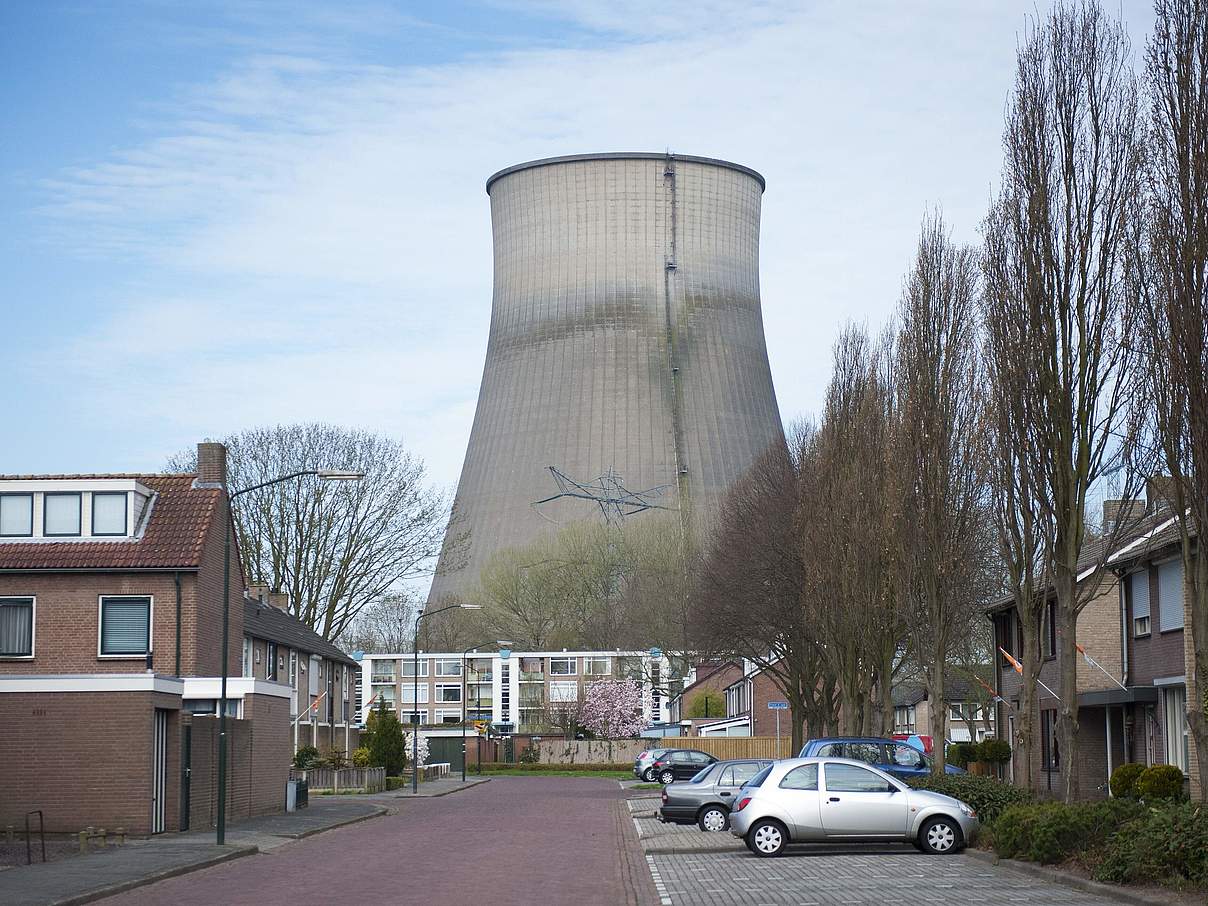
322 475
504 645
415 687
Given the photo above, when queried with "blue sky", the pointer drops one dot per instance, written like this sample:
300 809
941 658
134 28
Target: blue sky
226 214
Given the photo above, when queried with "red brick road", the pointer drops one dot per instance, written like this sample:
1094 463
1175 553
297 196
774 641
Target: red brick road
544 840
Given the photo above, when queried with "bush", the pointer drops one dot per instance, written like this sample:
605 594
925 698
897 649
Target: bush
336 759
307 758
396 783
387 745
531 754
1051 832
360 757
960 754
995 751
1166 844
1124 780
1161 781
987 796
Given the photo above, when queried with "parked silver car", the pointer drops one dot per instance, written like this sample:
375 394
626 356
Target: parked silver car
816 800
643 765
707 798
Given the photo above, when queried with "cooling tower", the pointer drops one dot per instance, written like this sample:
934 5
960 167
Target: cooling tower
626 338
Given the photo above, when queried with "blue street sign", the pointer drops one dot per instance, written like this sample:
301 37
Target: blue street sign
778 706
504 653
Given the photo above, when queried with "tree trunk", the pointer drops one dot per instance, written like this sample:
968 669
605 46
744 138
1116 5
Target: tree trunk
1025 729
1067 660
1195 578
935 694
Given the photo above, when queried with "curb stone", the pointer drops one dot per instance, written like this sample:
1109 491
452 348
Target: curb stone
1057 876
122 886
355 819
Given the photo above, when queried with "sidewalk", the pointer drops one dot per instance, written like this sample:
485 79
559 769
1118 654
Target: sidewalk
429 789
82 879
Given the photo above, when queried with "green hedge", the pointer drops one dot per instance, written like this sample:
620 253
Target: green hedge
1160 781
1167 844
987 796
396 783
1124 780
1049 832
553 768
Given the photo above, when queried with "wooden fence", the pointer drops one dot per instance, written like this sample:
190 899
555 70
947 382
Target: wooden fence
603 751
371 780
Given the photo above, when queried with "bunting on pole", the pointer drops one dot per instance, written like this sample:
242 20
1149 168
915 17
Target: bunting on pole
1019 669
1094 663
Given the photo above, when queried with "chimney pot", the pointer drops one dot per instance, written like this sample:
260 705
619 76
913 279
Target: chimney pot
211 463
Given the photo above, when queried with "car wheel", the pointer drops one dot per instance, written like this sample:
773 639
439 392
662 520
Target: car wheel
666 777
713 819
940 836
767 838
648 775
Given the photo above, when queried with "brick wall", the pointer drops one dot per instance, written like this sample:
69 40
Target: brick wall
203 621
257 762
84 758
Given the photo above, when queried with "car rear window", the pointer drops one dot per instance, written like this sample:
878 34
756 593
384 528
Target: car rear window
699 776
759 778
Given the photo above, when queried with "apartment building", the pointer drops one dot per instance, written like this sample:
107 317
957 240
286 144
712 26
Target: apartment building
110 651
521 691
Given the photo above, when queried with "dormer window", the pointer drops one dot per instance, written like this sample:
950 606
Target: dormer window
16 515
60 514
109 513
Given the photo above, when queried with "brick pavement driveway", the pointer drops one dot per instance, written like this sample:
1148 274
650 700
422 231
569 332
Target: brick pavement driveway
543 840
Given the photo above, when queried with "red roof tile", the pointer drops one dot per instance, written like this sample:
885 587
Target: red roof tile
173 538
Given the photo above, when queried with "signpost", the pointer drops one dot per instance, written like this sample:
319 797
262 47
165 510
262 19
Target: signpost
778 707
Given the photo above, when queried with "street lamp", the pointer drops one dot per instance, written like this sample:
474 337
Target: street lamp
504 645
322 475
415 687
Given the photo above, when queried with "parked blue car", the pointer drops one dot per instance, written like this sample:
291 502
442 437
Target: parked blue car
892 757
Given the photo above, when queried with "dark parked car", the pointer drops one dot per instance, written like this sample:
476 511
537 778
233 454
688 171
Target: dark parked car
889 755
643 765
707 798
680 764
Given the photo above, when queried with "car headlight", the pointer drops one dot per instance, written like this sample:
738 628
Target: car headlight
967 810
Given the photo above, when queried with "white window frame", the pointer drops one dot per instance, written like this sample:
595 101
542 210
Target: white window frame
248 647
570 661
1138 629
100 611
406 690
408 663
442 662
1175 742
448 701
442 713
33 628
560 698
590 662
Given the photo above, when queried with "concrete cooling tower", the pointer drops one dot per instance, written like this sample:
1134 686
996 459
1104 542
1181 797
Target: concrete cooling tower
626 351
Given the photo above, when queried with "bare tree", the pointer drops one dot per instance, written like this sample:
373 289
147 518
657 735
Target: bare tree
939 458
383 626
333 548
1070 193
1174 289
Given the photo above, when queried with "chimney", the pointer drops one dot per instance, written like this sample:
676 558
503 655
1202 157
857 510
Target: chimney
279 599
258 592
211 464
1116 512
1159 492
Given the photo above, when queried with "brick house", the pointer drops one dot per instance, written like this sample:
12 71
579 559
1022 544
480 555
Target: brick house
110 651
280 648
968 718
1134 708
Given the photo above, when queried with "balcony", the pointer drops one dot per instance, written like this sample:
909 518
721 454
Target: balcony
382 678
532 676
479 676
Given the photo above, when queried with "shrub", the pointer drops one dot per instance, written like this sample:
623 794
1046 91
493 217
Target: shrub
530 754
387 745
960 754
1160 781
1051 832
995 751
1167 843
306 758
396 783
360 757
336 759
1124 780
987 796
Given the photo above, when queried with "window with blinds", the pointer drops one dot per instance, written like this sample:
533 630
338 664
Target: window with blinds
1138 593
125 626
1170 596
16 627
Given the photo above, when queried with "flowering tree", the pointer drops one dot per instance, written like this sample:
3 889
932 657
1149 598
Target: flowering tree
612 709
423 747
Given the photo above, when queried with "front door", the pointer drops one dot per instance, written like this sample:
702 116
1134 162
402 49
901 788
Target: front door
859 802
186 774
159 770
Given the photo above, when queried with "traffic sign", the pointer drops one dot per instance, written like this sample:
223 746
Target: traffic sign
480 726
778 706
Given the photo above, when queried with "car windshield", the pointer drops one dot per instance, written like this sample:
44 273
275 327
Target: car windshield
699 776
759 778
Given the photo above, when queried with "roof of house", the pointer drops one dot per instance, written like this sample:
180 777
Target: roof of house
713 669
958 686
263 621
173 537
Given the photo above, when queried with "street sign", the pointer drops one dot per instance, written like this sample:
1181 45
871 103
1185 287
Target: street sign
778 706
480 726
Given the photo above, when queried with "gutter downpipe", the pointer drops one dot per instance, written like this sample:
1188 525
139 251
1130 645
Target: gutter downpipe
177 577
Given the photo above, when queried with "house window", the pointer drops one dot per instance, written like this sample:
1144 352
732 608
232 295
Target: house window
270 665
1138 593
60 514
408 666
965 711
1175 729
596 666
247 656
16 627
125 626
1049 638
1050 749
447 716
383 672
1170 596
562 666
450 667
16 515
409 691
563 692
903 718
447 692
108 514
736 699
531 668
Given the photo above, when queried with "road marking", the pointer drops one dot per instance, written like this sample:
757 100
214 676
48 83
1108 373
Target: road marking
658 882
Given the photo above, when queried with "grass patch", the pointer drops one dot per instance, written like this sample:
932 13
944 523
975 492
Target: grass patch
646 786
